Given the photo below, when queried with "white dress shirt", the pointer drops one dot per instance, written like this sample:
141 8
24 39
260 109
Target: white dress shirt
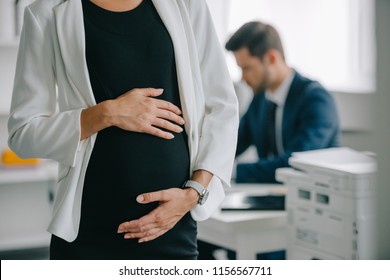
279 97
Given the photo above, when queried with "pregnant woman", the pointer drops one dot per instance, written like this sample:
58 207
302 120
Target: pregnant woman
133 99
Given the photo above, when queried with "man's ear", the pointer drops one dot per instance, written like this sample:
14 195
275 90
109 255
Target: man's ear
272 56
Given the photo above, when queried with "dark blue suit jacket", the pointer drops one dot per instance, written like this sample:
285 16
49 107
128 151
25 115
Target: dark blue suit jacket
310 122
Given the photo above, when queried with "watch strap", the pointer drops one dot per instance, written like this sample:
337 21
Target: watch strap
201 190
195 185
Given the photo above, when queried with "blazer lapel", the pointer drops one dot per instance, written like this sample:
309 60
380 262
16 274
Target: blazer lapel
71 38
170 14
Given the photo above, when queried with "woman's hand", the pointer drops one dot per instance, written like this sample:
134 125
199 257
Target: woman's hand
136 110
174 204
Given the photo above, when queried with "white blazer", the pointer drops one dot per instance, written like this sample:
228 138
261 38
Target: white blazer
52 87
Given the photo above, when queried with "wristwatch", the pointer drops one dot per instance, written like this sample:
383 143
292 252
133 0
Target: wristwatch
203 192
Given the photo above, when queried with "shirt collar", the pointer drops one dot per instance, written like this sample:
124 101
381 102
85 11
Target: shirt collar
280 94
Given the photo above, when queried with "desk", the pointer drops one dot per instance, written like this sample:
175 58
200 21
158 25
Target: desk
25 206
247 232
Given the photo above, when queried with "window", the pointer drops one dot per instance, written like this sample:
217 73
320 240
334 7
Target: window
332 41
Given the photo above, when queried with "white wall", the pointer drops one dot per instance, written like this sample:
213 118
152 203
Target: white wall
356 112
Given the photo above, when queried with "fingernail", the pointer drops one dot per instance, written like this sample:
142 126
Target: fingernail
140 241
171 136
160 90
120 231
180 129
140 198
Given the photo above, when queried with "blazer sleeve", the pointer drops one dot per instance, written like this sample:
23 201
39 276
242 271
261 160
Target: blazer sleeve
318 128
218 139
36 128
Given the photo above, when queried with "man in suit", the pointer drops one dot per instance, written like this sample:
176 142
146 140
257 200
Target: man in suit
288 112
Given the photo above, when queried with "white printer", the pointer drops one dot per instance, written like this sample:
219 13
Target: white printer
331 203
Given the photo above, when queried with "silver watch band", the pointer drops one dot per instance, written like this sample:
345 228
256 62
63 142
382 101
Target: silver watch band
195 185
201 190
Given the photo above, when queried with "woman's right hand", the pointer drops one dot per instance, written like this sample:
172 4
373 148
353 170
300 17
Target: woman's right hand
136 110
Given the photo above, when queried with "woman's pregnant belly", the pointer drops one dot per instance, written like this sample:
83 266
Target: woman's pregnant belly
125 164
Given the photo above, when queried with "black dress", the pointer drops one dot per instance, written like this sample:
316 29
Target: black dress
126 50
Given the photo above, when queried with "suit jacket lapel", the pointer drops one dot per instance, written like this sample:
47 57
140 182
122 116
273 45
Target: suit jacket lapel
290 108
71 38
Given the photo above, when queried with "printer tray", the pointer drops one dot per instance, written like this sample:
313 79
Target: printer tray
242 201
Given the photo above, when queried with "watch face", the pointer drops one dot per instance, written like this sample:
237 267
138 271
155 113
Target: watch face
203 197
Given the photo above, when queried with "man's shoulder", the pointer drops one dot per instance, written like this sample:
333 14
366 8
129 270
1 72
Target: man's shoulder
306 86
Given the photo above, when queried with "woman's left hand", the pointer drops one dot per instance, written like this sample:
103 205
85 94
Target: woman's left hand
174 204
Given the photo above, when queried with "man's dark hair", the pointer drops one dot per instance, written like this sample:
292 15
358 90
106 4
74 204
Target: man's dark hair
258 37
